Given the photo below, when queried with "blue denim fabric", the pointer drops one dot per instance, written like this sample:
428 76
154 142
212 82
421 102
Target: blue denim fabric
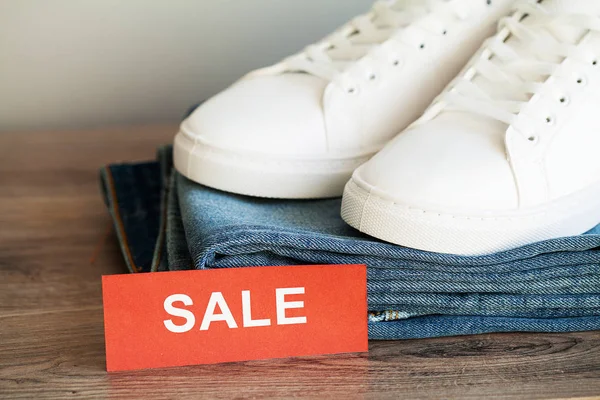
132 194
443 325
551 286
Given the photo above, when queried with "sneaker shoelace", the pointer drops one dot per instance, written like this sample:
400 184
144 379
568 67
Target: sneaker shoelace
510 72
354 40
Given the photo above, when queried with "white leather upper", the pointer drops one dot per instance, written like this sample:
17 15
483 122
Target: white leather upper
455 160
361 108
280 112
472 161
381 108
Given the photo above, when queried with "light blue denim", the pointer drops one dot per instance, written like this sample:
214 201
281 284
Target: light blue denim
551 286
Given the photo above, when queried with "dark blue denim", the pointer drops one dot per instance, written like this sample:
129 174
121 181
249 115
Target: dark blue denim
166 222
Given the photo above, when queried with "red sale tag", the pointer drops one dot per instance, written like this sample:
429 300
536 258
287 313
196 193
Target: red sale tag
165 319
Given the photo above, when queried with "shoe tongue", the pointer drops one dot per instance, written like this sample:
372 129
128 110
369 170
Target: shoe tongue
570 34
563 33
572 6
411 10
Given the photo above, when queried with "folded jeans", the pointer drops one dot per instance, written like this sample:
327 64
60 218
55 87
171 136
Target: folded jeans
166 222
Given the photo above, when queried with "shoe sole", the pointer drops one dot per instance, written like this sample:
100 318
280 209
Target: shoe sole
262 175
460 233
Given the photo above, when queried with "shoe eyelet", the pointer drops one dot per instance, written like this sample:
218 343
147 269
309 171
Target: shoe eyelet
395 63
352 90
372 77
550 120
581 81
445 32
564 100
422 46
595 63
532 138
488 2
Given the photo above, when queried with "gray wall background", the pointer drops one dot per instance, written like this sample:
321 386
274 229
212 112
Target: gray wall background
86 63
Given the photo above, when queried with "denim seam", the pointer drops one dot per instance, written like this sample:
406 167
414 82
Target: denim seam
160 242
224 235
120 228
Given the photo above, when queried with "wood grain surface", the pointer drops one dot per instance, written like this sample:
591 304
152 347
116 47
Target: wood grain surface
56 242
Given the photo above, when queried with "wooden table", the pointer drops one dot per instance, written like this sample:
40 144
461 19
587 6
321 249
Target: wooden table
56 241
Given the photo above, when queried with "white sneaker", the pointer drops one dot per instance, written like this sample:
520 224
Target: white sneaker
299 128
507 155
